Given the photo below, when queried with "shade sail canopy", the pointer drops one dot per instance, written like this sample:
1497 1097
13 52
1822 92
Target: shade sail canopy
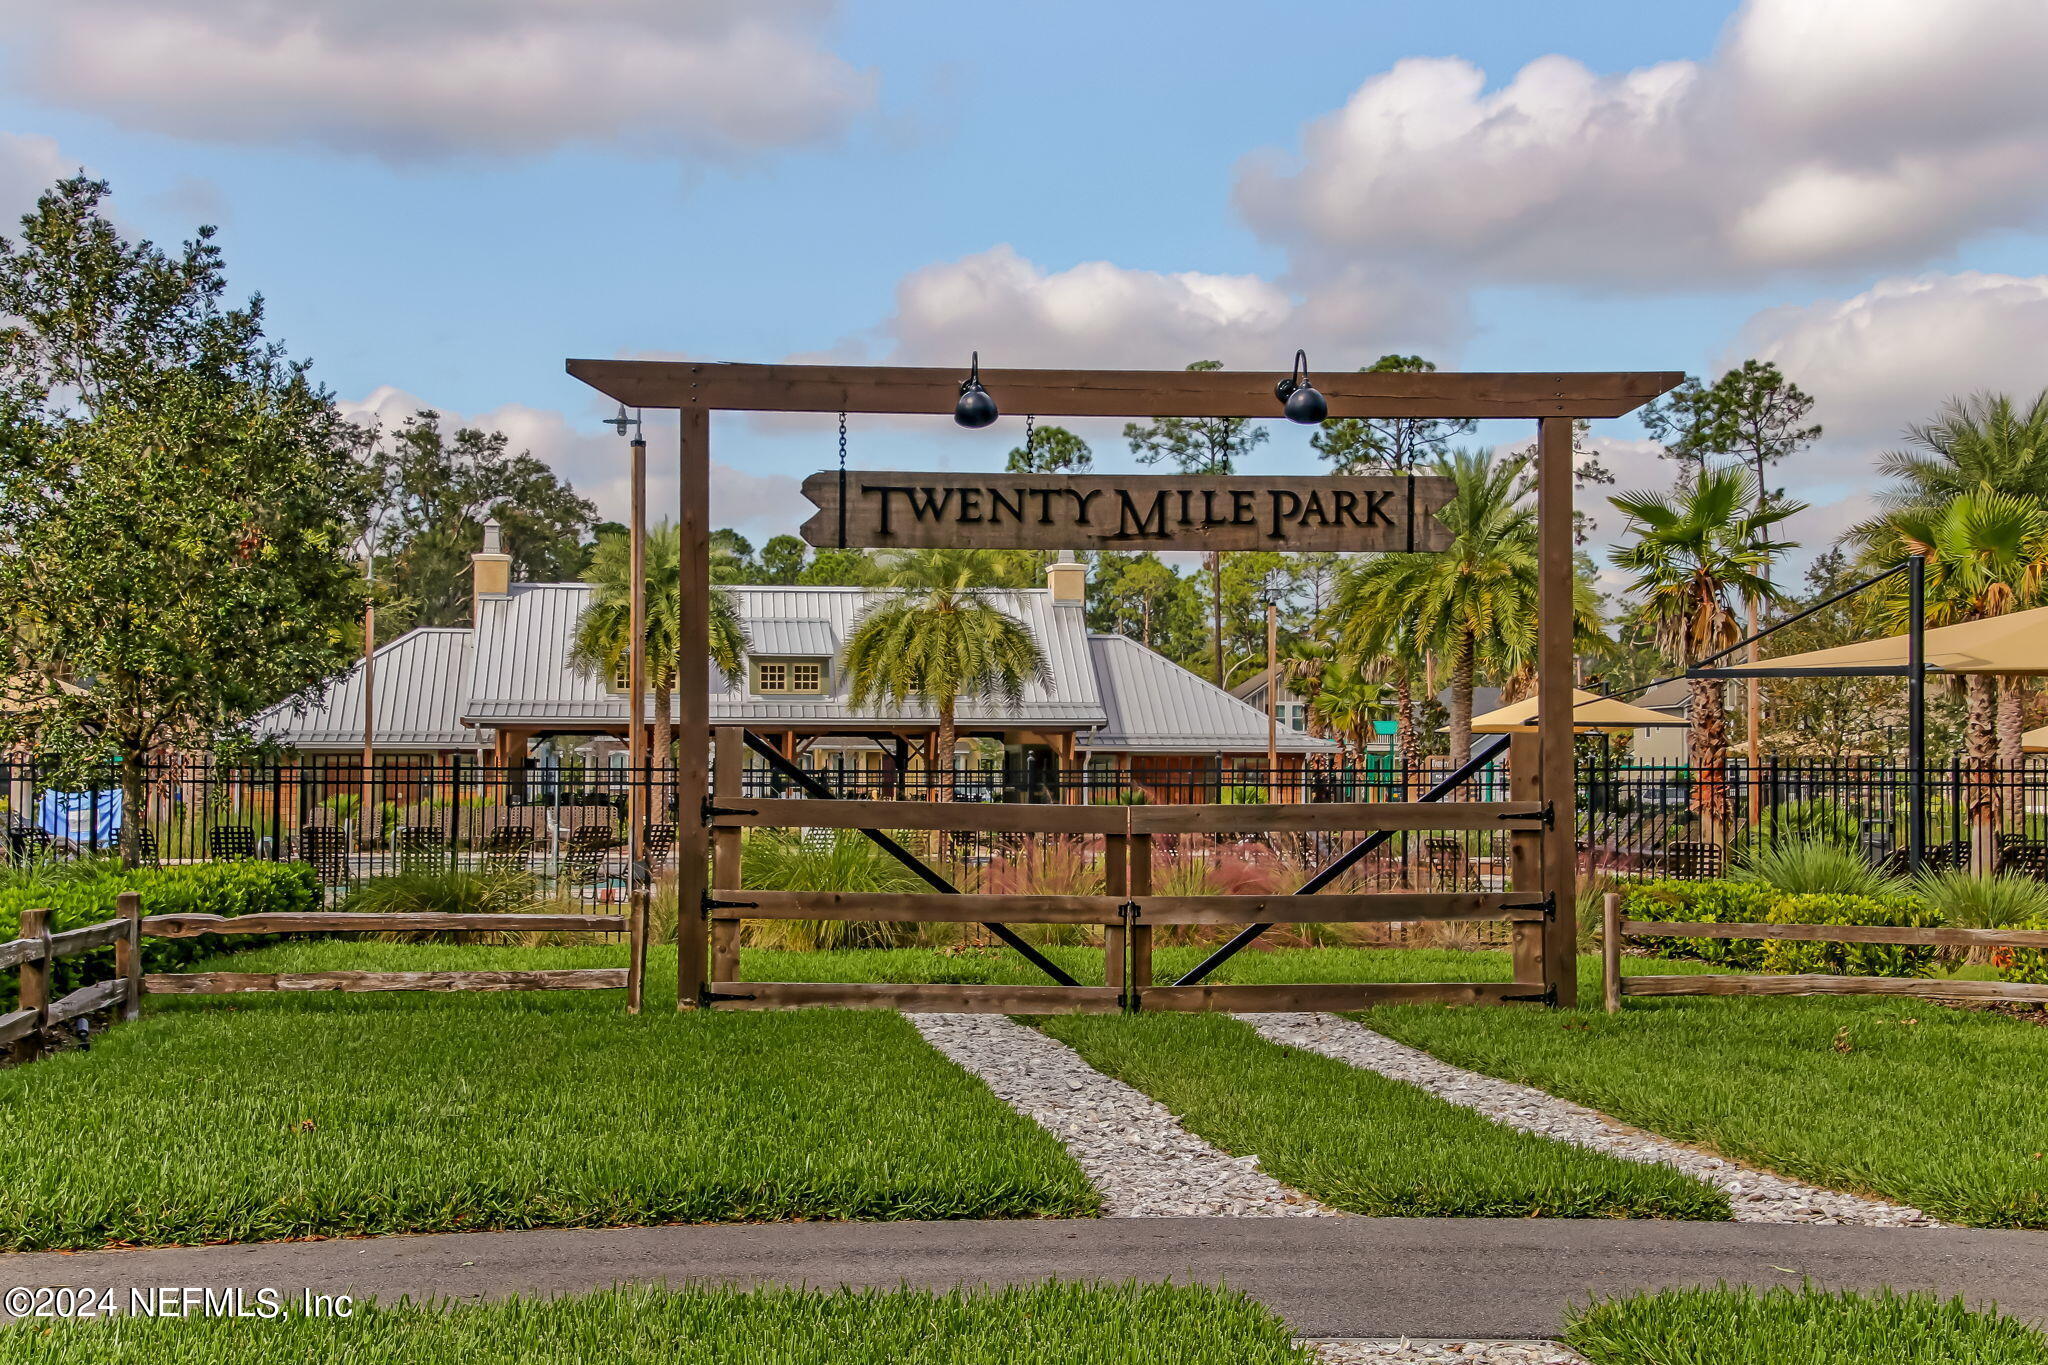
1589 713
2014 643
2035 741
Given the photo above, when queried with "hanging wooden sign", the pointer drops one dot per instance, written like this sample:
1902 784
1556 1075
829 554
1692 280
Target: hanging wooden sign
909 511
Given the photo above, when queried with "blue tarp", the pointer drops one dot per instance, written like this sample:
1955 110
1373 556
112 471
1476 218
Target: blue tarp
84 817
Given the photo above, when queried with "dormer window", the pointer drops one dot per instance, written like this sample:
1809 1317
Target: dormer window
785 677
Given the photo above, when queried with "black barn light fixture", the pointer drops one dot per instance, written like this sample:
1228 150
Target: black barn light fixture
976 408
1298 397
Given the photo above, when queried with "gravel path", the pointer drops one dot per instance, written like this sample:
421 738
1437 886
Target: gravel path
1130 1146
1755 1196
1368 1351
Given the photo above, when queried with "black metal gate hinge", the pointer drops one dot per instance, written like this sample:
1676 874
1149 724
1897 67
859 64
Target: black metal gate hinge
713 997
712 810
1547 997
713 903
1548 905
1547 815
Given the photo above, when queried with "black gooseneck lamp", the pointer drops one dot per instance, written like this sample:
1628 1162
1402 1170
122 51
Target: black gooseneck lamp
1298 397
976 408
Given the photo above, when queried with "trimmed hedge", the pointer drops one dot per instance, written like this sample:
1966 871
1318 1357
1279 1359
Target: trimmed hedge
1730 902
1850 959
85 893
1712 902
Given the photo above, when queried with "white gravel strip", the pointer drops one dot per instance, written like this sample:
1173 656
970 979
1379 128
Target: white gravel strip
1755 1196
1132 1149
1404 1351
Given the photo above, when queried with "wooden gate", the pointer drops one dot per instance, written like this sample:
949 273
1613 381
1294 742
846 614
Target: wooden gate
1138 512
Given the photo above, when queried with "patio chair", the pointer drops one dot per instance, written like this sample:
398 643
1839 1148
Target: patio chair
1695 861
1950 857
231 843
146 854
422 848
660 842
326 848
584 859
2024 858
1445 858
508 850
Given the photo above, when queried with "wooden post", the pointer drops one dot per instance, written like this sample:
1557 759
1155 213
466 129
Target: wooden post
34 984
728 773
1610 951
1554 680
1141 933
640 773
128 955
1116 881
693 689
1525 857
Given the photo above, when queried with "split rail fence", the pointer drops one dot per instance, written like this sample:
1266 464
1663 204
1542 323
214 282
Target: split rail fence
29 1029
1615 930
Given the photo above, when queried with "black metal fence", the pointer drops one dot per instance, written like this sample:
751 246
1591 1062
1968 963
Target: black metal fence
566 825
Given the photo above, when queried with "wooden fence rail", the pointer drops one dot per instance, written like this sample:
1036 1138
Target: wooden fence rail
1615 929
24 1029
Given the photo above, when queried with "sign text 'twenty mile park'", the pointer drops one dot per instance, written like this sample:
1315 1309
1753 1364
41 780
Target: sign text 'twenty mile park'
1127 512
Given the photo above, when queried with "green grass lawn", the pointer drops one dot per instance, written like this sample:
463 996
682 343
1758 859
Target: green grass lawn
1797 1327
1358 1141
1071 1324
1941 1108
264 1116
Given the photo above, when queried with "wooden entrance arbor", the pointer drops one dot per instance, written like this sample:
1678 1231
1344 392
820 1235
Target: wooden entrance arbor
1541 898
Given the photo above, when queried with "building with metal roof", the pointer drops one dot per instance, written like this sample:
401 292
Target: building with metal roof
496 689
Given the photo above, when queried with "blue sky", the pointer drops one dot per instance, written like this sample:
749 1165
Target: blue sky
907 180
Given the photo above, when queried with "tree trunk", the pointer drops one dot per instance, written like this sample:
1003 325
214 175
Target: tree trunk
1462 671
2012 721
132 812
660 755
1980 771
1407 744
1707 743
938 759
1216 607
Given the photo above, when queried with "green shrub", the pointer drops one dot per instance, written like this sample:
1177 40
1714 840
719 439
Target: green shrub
1814 868
85 892
2023 964
835 860
1850 959
1715 902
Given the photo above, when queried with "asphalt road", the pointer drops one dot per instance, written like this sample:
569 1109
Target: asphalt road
1329 1277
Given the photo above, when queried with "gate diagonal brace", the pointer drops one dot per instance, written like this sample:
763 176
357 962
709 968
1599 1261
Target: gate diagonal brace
930 877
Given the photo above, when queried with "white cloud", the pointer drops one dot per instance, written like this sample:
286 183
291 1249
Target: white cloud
595 461
1895 352
1824 134
410 79
1019 313
28 166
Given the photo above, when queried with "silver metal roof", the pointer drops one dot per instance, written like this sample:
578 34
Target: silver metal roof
1156 706
521 672
771 638
418 689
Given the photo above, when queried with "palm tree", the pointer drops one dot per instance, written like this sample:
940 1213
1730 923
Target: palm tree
604 631
937 637
1696 551
1982 442
1474 604
1987 554
1347 703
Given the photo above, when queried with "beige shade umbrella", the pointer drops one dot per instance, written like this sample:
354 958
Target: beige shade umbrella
1589 713
2014 643
2035 741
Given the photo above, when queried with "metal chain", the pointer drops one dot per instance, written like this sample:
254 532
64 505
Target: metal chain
1029 423
842 480
842 441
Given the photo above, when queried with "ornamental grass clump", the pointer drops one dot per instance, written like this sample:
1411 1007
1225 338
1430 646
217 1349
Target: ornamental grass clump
1971 902
1814 868
823 860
